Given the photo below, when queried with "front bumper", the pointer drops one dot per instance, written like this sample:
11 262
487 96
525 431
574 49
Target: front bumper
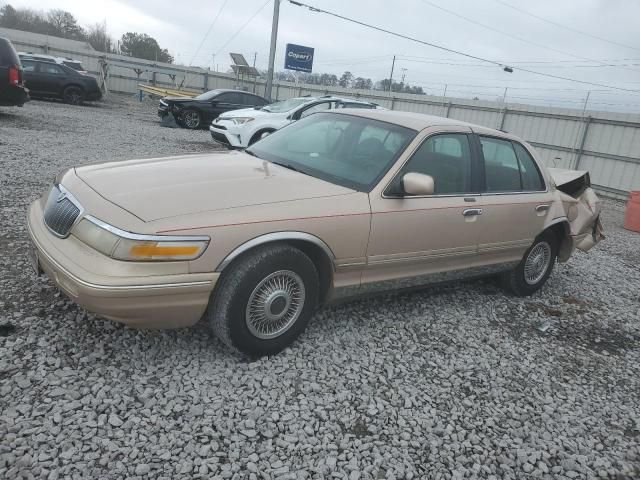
142 301
227 136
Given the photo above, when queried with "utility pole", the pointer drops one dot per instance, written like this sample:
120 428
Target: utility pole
393 64
255 55
586 101
504 97
272 48
404 72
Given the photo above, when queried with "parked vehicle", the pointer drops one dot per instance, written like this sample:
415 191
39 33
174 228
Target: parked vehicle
241 128
47 79
338 204
69 62
12 89
196 112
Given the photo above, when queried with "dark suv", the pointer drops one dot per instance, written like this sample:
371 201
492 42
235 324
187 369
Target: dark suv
12 89
50 79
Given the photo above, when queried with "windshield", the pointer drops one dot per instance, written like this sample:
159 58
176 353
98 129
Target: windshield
286 105
351 151
207 95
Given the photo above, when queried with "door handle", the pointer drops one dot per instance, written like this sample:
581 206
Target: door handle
542 208
470 212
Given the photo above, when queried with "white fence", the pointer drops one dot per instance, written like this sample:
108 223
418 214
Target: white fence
607 144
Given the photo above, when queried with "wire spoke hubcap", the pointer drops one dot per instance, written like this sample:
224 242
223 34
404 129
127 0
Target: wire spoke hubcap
537 263
275 304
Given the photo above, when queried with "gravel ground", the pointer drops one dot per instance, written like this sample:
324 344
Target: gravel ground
451 382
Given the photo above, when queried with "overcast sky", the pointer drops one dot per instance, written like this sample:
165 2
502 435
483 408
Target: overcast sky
181 26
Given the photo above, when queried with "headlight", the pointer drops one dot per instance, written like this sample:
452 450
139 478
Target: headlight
242 120
121 245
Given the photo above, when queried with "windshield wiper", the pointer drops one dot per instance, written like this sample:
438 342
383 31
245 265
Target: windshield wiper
289 166
251 152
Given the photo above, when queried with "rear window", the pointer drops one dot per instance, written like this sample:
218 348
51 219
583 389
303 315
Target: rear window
8 55
75 65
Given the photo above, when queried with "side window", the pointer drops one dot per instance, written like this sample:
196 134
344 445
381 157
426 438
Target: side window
51 68
446 158
28 66
234 98
356 105
254 100
531 177
316 108
502 170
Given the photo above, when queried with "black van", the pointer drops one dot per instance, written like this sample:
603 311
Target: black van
12 89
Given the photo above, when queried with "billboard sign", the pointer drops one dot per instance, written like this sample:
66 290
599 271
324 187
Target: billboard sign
298 58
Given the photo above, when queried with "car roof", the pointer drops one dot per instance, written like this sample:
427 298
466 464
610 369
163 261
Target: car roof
416 121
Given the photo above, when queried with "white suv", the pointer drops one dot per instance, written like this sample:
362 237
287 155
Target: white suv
241 128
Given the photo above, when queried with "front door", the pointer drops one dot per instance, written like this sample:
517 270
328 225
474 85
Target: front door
515 203
420 240
51 78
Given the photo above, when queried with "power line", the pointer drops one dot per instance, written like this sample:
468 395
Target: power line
559 25
208 31
243 26
488 27
457 52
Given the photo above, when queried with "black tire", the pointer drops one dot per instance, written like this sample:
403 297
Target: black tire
73 95
523 281
191 119
229 309
259 136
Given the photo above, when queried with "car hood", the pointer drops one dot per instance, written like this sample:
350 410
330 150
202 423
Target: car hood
245 112
177 99
158 188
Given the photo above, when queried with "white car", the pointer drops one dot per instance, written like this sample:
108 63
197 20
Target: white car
241 128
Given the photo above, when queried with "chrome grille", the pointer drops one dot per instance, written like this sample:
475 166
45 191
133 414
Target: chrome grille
60 212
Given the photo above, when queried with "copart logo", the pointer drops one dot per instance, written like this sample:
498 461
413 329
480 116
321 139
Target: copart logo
300 57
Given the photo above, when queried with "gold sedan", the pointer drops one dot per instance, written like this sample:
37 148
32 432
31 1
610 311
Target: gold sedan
336 205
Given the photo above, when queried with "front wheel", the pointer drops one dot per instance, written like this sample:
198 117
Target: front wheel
191 119
260 136
73 95
265 300
535 267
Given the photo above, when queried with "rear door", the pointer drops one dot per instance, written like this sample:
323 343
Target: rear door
249 100
50 78
228 101
515 199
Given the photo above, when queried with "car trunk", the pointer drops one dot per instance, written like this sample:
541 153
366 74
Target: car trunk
581 204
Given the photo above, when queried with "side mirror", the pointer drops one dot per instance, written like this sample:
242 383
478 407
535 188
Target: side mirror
417 184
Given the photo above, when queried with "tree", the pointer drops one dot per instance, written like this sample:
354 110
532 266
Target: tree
99 39
346 79
363 83
328 80
141 45
23 19
63 24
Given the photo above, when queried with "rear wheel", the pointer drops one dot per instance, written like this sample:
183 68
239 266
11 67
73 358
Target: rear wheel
73 95
191 119
264 302
535 267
